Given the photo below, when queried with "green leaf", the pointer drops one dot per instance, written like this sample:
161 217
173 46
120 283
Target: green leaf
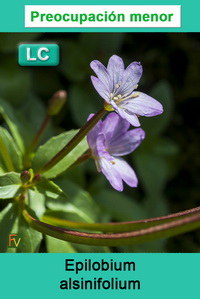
47 151
80 203
66 211
154 126
36 202
12 149
2 166
20 129
30 238
6 159
120 206
58 246
76 175
83 248
27 239
8 218
50 189
10 185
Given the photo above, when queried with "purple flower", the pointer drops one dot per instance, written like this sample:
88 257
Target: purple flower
117 85
108 141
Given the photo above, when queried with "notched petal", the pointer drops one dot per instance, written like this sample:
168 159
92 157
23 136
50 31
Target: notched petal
126 143
143 105
101 88
102 73
126 172
115 69
131 77
111 174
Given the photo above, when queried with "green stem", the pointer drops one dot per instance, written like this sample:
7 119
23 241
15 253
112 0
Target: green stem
74 141
40 132
161 231
35 142
6 156
124 226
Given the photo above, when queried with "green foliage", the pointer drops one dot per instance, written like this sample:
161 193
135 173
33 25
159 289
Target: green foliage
50 189
52 147
12 222
81 199
20 129
37 202
79 207
30 238
58 246
10 185
11 148
8 217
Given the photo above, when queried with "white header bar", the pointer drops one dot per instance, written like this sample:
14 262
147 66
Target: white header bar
102 16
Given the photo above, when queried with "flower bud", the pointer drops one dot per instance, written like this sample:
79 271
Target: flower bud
25 176
37 178
57 102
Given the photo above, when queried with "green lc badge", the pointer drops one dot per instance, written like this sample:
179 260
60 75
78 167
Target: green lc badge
38 55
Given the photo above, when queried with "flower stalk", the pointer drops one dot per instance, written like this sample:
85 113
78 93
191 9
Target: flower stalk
40 132
74 141
55 104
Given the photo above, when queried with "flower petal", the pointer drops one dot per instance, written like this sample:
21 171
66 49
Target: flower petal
126 143
100 147
126 172
111 174
131 117
92 135
130 78
114 125
100 88
115 69
143 105
102 74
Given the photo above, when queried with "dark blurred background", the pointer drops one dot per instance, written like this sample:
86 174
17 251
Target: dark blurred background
168 161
